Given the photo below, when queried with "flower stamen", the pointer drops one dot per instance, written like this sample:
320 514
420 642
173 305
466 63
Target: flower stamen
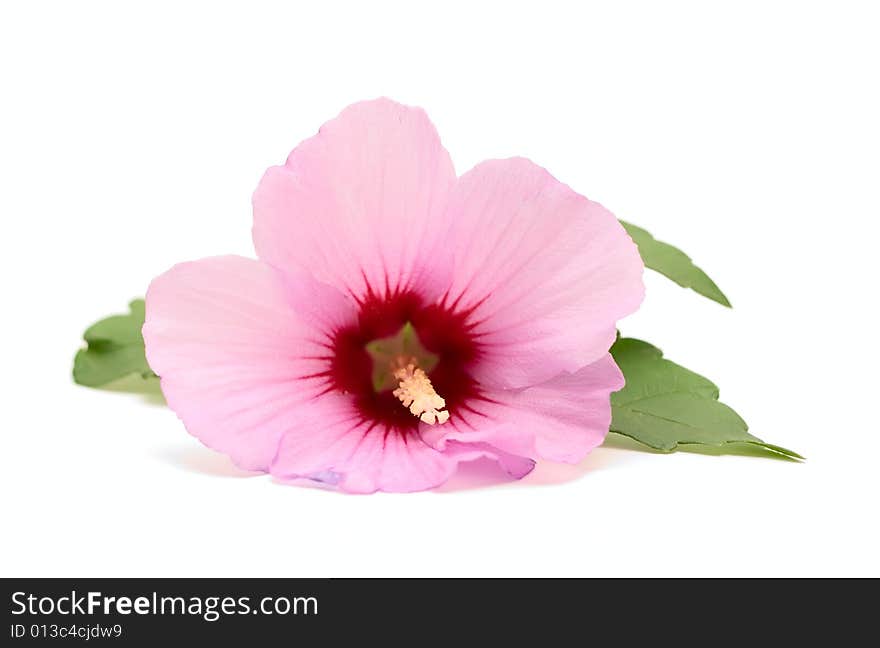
417 393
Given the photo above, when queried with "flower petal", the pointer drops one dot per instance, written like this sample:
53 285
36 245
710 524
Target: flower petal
329 437
542 272
239 348
362 205
514 465
561 419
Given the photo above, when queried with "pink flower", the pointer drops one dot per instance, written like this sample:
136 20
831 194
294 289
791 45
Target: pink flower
399 320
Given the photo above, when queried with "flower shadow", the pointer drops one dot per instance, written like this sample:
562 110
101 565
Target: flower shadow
485 473
470 476
203 461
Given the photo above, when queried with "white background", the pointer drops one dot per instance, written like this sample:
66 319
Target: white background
746 133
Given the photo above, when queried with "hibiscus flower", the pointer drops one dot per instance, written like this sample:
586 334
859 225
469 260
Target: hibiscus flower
399 320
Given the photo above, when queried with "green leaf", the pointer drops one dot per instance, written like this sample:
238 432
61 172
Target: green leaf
674 264
664 405
115 351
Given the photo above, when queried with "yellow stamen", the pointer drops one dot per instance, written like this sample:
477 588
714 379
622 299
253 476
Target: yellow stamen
417 393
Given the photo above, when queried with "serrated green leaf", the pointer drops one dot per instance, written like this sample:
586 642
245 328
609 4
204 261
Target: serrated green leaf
648 374
664 405
674 264
115 350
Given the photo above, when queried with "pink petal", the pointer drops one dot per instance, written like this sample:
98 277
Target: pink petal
238 347
561 419
329 438
362 204
544 272
514 465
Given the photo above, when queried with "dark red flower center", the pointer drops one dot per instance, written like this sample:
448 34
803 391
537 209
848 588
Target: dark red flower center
442 331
